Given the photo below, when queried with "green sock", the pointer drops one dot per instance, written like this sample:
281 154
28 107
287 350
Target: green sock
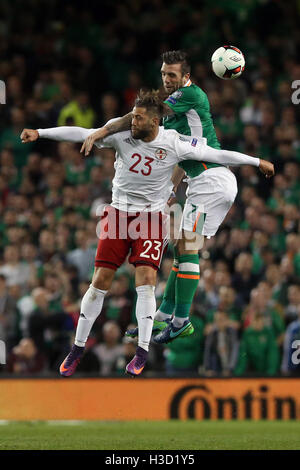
186 284
168 303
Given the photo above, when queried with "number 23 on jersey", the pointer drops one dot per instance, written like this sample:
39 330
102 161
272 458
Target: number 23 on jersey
141 164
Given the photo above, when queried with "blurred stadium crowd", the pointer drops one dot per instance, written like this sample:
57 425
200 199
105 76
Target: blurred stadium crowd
66 63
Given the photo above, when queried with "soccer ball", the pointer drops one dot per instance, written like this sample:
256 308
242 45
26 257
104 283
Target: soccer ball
228 62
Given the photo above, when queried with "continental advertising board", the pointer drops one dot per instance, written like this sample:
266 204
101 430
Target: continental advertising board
149 399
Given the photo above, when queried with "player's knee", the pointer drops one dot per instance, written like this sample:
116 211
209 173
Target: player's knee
145 275
191 243
180 245
103 278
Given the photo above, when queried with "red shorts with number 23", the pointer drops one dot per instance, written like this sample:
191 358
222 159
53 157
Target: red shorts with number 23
142 236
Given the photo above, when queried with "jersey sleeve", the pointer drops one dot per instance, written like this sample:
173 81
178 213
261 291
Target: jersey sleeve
107 143
75 134
192 148
66 133
183 100
189 148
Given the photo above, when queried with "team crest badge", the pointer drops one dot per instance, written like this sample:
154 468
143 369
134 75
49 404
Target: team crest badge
174 97
161 154
177 94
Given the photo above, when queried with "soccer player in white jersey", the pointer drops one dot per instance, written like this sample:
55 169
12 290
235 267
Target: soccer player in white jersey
145 159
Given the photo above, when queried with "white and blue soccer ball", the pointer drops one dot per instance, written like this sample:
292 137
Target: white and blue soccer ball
228 62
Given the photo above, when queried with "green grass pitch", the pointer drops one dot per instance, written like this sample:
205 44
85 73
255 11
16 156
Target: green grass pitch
151 435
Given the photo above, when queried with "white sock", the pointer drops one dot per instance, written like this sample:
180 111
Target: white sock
178 321
161 316
91 306
145 311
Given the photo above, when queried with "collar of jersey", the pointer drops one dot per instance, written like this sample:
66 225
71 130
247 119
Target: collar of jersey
188 83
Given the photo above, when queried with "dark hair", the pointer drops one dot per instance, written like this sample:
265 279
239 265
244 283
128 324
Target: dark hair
151 100
177 57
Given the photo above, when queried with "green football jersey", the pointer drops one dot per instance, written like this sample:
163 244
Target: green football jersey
192 117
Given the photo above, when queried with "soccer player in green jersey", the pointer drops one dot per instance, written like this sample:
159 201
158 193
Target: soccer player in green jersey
212 189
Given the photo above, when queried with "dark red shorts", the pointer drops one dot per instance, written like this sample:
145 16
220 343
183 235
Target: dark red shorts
142 236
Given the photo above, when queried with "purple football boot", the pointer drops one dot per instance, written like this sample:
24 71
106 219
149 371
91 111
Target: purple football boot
137 364
71 362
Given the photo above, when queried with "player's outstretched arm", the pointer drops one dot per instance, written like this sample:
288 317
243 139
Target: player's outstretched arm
187 150
111 127
63 133
228 157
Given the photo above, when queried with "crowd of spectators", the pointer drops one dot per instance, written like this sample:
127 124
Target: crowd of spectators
65 64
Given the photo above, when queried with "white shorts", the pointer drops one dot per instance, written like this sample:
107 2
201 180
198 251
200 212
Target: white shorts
209 198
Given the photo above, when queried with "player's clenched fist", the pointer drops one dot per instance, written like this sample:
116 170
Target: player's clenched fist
267 168
29 135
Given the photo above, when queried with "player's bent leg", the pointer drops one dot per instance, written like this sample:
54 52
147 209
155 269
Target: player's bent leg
145 310
167 306
204 211
165 311
187 280
203 214
91 306
189 243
